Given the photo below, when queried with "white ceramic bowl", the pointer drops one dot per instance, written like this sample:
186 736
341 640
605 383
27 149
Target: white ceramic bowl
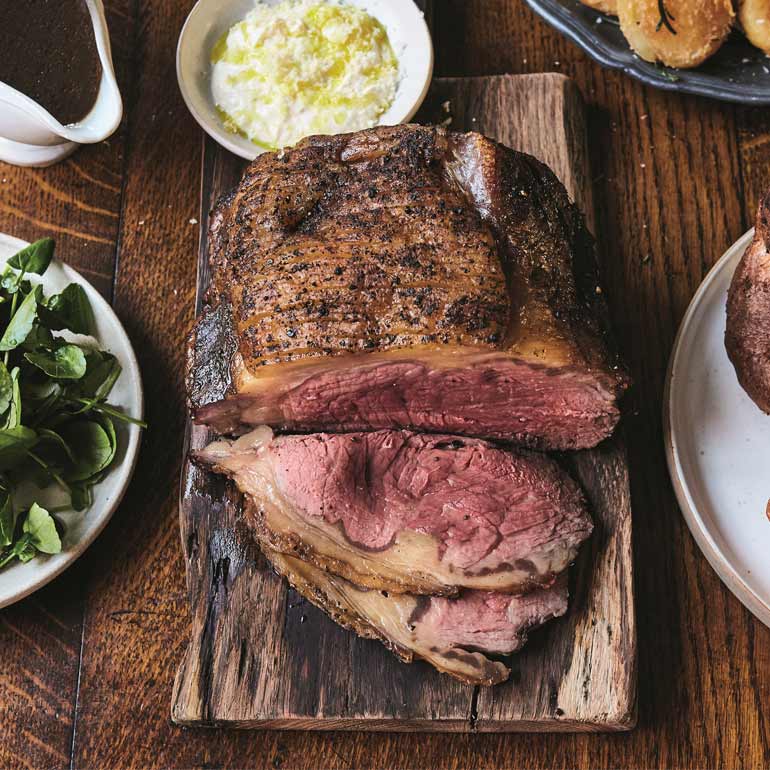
31 136
210 19
18 580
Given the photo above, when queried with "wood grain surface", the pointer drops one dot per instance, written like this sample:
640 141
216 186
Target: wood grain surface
261 656
89 661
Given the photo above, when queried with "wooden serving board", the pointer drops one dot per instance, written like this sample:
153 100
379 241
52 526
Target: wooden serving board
260 656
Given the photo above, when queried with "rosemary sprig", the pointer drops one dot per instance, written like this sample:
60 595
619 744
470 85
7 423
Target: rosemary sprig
665 18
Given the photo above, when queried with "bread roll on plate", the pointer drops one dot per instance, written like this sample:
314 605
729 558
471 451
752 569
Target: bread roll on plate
678 33
754 16
747 336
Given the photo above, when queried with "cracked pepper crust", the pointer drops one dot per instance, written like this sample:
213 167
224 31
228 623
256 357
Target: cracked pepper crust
394 239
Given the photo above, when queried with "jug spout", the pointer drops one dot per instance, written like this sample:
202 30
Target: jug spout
31 136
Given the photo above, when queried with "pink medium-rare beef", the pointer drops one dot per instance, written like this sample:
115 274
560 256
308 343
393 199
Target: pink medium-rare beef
487 620
451 634
408 512
405 277
747 336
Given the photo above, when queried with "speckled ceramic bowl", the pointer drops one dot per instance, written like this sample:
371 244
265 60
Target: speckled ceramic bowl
738 72
209 19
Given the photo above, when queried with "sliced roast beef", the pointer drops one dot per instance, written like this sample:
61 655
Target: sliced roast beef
747 336
409 512
451 634
405 277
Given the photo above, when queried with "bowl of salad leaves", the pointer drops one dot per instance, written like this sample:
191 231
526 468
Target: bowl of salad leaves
71 410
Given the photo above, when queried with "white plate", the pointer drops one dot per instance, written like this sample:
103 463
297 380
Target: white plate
718 445
19 580
210 19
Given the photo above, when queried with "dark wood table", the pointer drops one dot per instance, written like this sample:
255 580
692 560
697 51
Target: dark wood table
88 662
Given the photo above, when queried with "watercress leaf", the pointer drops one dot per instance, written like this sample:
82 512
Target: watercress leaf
41 528
14 445
21 324
46 434
92 446
9 280
7 555
43 400
69 310
67 362
35 474
109 428
109 382
21 549
34 258
7 521
13 416
80 496
39 337
6 388
47 466
13 282
102 371
25 551
38 391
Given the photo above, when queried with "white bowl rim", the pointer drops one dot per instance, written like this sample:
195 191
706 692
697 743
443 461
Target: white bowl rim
699 529
50 569
243 147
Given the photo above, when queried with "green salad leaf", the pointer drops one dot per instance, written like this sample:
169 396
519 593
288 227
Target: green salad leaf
14 445
39 337
12 417
96 449
102 372
46 434
6 388
21 321
41 528
67 362
7 521
81 496
34 258
57 427
38 535
69 310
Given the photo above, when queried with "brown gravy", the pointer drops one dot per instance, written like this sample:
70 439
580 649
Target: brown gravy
48 52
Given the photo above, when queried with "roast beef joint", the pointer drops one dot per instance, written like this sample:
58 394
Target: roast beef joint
405 277
400 322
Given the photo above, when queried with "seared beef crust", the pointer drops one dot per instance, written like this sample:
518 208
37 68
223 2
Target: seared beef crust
375 280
